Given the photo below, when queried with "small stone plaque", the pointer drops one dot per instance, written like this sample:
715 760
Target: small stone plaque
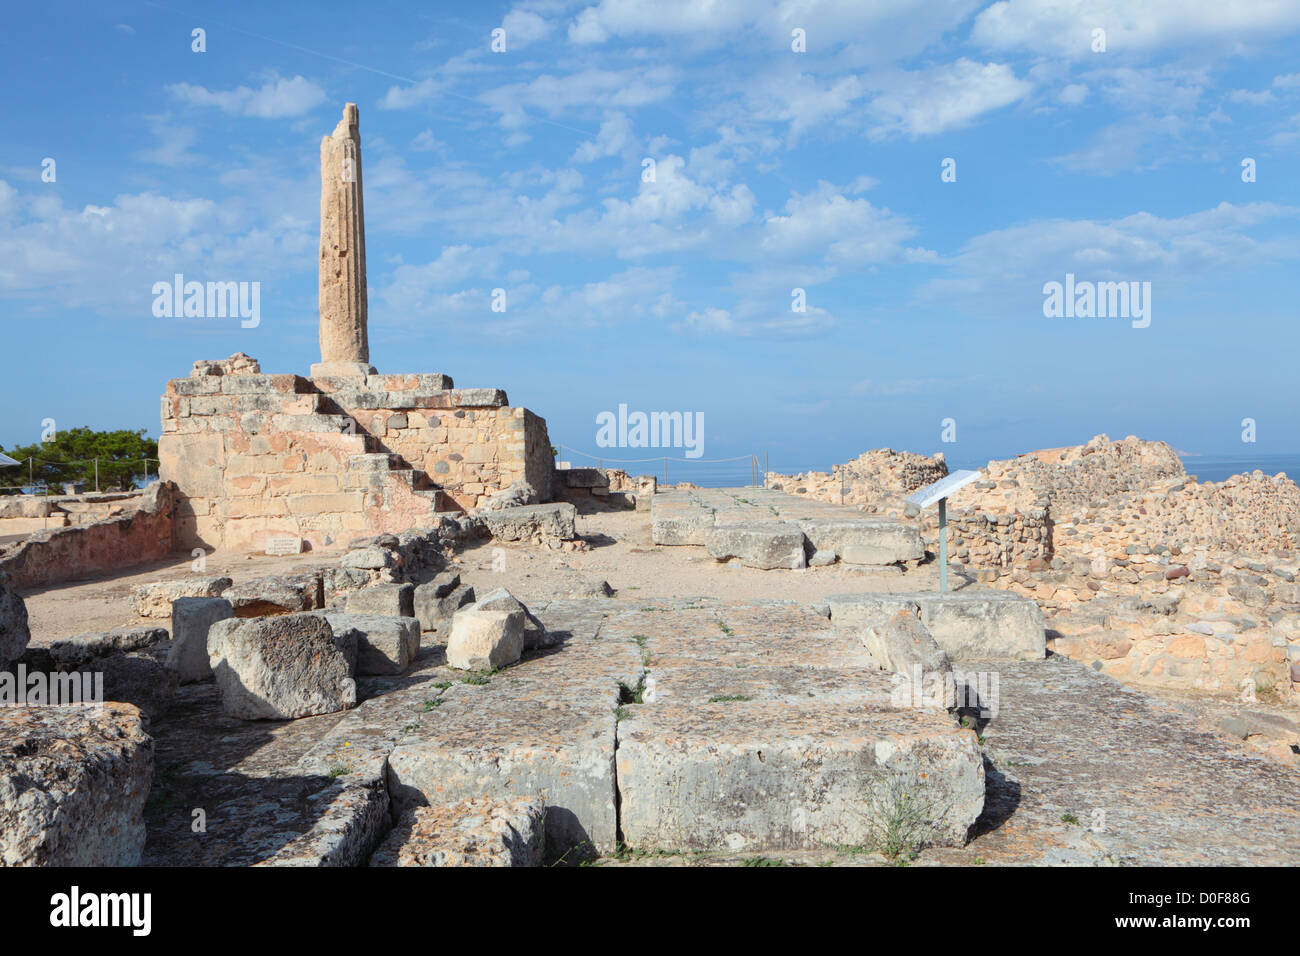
284 544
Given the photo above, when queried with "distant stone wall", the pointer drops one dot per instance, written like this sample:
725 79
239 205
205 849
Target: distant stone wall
877 481
65 554
256 456
1246 514
23 514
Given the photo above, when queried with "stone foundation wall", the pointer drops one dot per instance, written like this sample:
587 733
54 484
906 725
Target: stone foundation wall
256 456
983 540
65 554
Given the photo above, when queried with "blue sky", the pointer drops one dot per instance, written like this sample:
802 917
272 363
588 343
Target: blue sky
774 170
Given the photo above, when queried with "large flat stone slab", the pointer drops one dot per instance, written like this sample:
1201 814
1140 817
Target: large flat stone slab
770 529
758 544
518 737
970 625
762 726
768 759
870 541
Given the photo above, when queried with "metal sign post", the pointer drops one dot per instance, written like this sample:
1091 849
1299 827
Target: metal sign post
939 492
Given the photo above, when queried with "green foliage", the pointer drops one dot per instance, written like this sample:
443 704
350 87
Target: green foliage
902 815
70 456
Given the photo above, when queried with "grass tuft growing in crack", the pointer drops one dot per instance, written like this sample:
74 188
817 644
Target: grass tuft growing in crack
903 815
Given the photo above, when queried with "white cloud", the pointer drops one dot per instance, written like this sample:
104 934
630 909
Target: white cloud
615 136
174 140
925 102
707 321
610 18
555 95
843 230
105 258
524 27
405 97
1064 27
1074 94
276 99
875 32
1003 271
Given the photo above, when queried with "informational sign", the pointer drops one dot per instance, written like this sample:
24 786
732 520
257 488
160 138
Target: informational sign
943 488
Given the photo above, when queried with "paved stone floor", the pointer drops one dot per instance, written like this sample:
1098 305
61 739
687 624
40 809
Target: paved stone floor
1078 769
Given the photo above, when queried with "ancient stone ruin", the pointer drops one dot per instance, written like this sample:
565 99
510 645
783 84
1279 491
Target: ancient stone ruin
345 451
363 619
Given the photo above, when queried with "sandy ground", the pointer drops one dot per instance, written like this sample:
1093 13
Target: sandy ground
620 552
102 602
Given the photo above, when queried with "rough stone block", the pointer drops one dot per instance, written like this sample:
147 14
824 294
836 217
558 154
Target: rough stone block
192 618
73 785
482 639
768 762
514 738
276 594
386 644
483 832
903 645
395 599
669 526
435 603
14 632
530 521
136 679
864 540
155 598
277 668
71 652
369 559
499 599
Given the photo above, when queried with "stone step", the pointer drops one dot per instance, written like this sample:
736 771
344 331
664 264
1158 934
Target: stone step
372 471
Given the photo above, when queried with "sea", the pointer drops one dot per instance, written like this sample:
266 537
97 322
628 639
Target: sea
1211 467
1217 468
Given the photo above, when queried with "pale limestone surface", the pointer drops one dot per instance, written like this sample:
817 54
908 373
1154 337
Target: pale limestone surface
343 336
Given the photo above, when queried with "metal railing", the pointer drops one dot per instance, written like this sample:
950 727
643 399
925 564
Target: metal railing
705 472
40 486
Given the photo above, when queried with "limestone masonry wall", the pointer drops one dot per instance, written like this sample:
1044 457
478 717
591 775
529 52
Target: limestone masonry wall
255 456
63 554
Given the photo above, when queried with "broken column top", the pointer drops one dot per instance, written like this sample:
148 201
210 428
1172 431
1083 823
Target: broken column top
344 343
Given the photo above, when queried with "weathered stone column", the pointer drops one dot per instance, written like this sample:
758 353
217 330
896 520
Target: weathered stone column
344 346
